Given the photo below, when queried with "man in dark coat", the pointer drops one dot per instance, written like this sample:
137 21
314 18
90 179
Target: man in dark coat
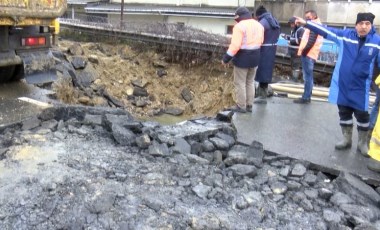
267 52
293 45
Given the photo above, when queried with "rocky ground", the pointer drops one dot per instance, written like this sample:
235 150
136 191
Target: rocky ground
76 167
97 165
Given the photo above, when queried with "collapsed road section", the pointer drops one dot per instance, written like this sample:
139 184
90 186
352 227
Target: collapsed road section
76 167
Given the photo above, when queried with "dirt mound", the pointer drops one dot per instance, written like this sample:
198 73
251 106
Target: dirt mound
119 69
148 81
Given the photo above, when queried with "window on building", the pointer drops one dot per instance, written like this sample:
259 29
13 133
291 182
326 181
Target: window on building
229 29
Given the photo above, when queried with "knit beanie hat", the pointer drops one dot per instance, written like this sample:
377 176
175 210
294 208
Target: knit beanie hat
292 20
261 10
365 17
242 13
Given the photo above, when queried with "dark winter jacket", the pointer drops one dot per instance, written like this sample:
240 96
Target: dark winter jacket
295 40
268 49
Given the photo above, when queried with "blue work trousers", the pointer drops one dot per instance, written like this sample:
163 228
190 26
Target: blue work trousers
307 71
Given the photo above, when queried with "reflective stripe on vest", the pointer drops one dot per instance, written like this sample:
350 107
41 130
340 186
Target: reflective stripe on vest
274 44
294 47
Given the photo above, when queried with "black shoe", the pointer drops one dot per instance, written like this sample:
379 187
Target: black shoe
301 101
249 108
237 109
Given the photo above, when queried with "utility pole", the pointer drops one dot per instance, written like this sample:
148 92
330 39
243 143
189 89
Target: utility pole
121 14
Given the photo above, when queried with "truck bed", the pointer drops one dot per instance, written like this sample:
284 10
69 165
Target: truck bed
32 9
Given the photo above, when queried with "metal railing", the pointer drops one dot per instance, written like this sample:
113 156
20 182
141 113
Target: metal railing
176 35
171 31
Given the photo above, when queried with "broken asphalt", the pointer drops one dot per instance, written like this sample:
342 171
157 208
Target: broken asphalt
303 131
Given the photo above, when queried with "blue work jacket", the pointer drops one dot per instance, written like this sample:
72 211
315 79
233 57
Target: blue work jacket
352 76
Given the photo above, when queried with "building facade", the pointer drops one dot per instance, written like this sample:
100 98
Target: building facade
216 16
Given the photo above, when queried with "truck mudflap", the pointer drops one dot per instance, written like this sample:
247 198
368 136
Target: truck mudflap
39 67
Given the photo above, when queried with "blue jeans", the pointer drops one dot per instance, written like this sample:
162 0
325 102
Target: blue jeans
375 110
307 71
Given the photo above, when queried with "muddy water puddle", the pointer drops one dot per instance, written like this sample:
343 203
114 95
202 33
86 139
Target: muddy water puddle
166 119
12 108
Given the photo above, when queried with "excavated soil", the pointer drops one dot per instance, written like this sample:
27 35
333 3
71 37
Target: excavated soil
165 75
117 66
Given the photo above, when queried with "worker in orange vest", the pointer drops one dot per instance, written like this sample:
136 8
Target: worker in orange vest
244 51
309 50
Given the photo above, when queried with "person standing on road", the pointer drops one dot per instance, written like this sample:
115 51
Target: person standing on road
373 114
309 50
267 52
374 144
294 41
352 76
244 51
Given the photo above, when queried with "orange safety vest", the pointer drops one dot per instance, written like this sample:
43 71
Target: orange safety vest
314 51
247 35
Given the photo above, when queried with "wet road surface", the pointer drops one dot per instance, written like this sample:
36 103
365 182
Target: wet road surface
19 100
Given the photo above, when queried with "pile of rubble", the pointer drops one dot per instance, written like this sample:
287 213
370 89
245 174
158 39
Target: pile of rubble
139 80
76 167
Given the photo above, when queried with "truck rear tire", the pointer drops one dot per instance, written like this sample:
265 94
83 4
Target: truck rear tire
6 73
11 73
18 73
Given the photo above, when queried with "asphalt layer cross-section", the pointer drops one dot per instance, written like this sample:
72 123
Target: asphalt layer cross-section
303 131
